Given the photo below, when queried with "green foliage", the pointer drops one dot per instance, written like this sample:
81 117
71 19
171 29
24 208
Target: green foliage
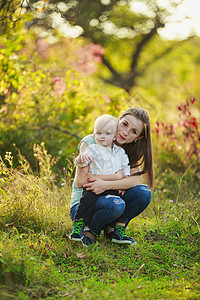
171 78
49 99
117 26
37 106
10 14
48 93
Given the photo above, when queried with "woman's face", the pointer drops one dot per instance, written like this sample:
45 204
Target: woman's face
129 129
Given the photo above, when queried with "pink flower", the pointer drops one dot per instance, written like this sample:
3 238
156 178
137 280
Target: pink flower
88 58
96 49
58 80
59 86
42 47
108 100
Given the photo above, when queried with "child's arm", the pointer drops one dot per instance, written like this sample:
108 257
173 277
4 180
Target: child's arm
82 160
118 175
125 164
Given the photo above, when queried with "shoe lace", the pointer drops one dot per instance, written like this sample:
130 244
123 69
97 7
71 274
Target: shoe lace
78 226
122 230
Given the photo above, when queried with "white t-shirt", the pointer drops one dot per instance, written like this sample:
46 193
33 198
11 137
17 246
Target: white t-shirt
107 161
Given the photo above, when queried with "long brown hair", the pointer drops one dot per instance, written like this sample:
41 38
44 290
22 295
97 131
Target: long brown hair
140 151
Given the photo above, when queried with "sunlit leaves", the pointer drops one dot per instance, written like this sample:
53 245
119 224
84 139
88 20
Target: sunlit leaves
47 93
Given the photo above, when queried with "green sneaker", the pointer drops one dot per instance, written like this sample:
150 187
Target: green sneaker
77 230
120 237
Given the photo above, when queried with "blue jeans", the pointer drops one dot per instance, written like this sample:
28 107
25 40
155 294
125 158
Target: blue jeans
108 209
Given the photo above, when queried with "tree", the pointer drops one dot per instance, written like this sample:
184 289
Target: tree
117 25
47 94
10 13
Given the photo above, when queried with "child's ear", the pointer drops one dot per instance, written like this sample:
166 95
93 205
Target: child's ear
93 134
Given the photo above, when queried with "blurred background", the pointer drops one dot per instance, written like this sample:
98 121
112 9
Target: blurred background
63 63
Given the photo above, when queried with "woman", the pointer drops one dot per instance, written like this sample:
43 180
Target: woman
134 136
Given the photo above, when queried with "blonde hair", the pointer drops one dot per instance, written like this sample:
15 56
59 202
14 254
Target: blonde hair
103 120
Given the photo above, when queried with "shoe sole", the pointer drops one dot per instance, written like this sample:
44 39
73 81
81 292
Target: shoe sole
75 239
134 243
84 244
87 245
121 242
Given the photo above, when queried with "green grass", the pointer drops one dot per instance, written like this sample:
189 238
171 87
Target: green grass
38 261
163 265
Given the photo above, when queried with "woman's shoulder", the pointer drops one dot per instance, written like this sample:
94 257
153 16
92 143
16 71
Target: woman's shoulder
88 139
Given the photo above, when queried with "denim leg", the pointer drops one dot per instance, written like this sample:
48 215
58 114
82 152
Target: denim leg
107 209
136 199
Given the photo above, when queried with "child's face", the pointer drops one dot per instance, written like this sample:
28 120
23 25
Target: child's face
105 135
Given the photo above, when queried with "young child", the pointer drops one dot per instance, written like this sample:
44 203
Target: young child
104 158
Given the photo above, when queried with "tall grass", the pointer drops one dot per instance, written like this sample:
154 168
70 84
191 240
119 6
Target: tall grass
29 201
38 261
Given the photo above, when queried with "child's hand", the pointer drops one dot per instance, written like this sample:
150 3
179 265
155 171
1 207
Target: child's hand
119 174
85 159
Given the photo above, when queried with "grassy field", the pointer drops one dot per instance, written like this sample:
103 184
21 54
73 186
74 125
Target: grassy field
38 261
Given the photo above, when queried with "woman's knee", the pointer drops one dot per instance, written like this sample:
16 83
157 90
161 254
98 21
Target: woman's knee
145 194
141 193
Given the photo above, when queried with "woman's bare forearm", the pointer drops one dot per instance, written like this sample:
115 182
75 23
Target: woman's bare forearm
127 182
124 183
99 186
81 173
81 176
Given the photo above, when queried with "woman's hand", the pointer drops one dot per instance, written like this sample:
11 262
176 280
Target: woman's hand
96 186
92 177
121 192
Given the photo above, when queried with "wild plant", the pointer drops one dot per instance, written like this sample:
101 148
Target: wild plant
28 200
176 198
184 135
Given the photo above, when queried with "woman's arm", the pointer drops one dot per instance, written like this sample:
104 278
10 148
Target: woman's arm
82 176
99 186
82 173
